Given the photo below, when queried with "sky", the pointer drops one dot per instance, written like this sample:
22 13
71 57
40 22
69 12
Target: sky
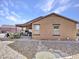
21 11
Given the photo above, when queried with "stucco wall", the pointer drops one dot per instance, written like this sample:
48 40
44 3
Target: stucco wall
67 28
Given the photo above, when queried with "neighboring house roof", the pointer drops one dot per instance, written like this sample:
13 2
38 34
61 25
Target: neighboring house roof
42 17
8 26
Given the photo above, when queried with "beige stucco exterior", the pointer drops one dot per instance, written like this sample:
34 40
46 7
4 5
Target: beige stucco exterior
67 28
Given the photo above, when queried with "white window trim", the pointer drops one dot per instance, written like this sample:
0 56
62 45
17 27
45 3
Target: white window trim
36 31
56 31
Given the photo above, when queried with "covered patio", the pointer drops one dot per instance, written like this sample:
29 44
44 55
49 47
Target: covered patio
25 26
28 25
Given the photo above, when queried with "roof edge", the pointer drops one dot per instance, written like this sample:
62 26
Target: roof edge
62 17
42 17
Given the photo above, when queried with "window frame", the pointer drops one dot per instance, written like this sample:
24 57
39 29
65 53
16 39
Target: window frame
36 31
56 29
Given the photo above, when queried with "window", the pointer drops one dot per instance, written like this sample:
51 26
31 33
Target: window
36 28
56 30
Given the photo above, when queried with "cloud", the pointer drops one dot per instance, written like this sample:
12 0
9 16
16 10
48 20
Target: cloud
2 13
15 14
1 5
76 5
13 18
5 2
8 13
11 3
46 5
8 3
21 21
4 9
63 6
63 2
61 9
19 4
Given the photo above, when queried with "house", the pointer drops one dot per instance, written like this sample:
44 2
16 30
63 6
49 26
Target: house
52 26
7 28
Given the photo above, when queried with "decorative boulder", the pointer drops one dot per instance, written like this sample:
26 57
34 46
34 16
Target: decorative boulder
44 55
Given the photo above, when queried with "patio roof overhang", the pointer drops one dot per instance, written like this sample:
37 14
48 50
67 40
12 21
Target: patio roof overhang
29 26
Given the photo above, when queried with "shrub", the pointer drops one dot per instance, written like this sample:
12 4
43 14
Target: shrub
14 35
17 35
11 35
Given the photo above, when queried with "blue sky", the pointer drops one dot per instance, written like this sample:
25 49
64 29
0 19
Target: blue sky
21 11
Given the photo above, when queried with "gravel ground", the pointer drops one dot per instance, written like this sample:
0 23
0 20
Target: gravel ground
64 49
8 53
